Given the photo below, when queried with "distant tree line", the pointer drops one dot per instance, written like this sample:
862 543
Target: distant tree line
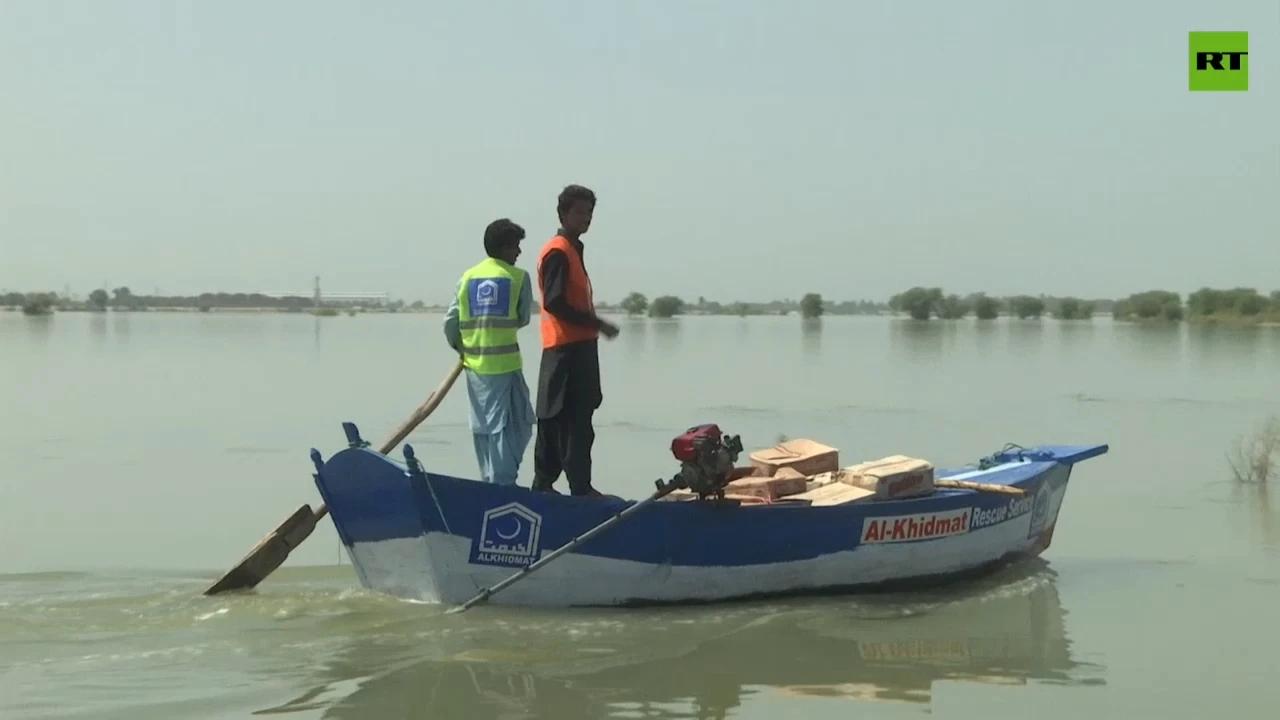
1203 305
1206 305
122 299
923 303
811 305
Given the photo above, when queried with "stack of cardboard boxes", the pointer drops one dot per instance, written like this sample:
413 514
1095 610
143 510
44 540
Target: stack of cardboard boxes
806 471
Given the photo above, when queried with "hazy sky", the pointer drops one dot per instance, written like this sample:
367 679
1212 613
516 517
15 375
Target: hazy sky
741 149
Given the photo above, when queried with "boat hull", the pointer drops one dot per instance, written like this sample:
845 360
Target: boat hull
436 538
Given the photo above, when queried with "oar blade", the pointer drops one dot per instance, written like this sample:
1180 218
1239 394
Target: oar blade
269 554
274 549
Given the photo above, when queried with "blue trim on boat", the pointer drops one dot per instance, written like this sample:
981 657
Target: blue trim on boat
373 498
1069 454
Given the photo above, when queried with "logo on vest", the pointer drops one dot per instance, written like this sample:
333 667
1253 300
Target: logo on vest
510 536
489 296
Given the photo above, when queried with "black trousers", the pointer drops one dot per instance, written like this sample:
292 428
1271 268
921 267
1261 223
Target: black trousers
564 445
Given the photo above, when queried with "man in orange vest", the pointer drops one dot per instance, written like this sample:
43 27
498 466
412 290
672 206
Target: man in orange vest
569 378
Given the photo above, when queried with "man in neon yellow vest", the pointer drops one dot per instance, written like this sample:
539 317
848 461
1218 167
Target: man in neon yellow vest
494 299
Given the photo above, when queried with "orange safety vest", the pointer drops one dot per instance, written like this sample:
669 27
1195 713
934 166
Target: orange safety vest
577 292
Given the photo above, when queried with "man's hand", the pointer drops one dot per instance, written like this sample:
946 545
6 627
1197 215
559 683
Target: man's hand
609 330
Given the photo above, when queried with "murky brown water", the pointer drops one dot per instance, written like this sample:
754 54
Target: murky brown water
143 454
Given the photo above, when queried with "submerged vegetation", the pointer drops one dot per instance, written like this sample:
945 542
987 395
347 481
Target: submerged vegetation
1253 460
122 299
921 303
1243 306
1151 305
38 303
1237 306
811 305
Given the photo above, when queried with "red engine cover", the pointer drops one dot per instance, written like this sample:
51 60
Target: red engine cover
682 447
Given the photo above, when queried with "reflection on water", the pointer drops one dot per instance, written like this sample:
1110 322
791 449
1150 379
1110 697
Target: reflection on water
1271 340
98 327
1257 499
811 336
1024 336
120 322
985 328
1226 345
1152 341
1077 333
704 663
918 341
666 334
39 327
633 333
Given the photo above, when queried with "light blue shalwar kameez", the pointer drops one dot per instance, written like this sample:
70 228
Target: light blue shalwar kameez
502 417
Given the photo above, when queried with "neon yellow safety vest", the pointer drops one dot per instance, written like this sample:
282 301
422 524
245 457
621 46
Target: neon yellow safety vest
487 317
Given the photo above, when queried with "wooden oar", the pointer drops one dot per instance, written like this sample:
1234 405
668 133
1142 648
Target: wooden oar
274 549
980 487
526 572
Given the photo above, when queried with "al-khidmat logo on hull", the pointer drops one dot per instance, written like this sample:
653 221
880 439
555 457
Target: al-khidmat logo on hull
1040 509
510 536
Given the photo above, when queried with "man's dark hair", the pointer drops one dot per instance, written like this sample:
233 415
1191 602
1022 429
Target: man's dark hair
500 235
572 194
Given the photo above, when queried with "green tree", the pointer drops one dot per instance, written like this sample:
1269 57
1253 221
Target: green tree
1070 308
918 302
634 304
98 300
665 306
124 298
1150 305
1251 303
952 307
811 305
986 307
1208 302
1026 307
39 303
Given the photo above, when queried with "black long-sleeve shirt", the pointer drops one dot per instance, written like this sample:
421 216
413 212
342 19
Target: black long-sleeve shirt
569 376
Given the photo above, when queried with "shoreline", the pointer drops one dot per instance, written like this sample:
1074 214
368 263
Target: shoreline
1265 320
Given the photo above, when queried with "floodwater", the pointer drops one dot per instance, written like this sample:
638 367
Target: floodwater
143 454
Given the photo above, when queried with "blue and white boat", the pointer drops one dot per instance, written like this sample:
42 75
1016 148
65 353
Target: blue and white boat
425 536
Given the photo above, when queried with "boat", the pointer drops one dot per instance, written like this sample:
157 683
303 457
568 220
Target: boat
1007 629
436 538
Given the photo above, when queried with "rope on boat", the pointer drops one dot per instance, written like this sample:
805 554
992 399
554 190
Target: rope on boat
998 458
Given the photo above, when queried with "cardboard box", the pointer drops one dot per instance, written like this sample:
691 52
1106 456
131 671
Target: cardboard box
835 493
891 478
789 472
806 457
768 488
823 479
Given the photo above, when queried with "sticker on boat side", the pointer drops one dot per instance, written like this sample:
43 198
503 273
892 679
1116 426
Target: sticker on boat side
1040 510
1015 508
910 528
510 536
